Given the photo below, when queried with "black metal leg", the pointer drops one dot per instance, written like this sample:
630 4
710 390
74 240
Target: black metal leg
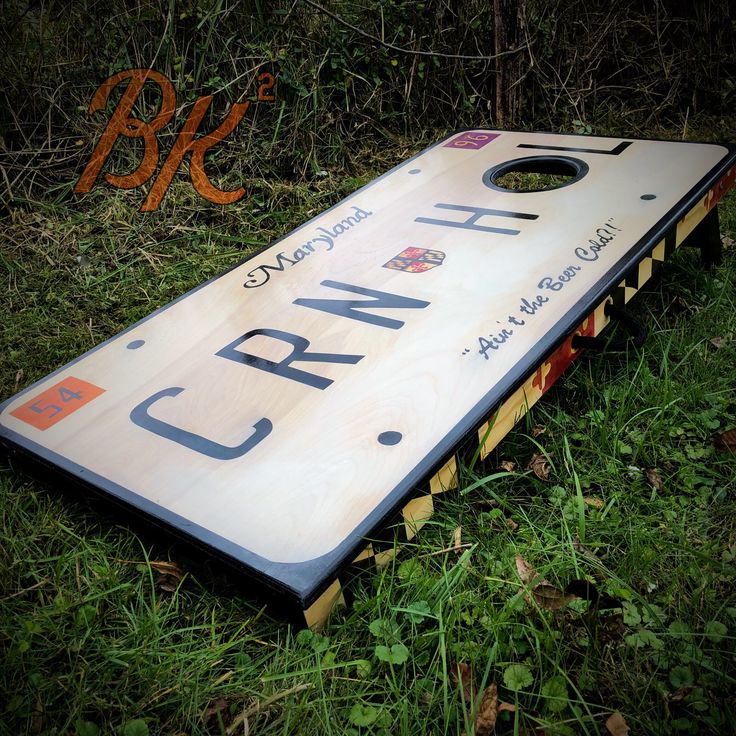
707 237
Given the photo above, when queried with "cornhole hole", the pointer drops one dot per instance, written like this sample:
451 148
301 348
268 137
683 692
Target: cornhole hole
283 413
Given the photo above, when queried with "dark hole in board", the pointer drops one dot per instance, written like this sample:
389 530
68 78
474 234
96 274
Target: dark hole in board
535 174
531 182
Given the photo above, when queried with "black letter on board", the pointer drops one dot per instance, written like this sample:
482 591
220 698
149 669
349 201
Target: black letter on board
283 367
142 418
479 212
380 300
620 148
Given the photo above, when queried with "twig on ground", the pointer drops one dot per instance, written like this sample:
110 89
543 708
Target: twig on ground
263 704
401 50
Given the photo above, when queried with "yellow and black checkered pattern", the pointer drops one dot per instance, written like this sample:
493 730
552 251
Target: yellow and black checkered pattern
641 272
381 550
645 269
414 515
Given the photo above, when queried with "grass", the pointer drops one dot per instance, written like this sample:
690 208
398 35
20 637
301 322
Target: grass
98 636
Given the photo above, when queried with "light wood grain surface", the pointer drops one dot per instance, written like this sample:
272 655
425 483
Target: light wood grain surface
301 490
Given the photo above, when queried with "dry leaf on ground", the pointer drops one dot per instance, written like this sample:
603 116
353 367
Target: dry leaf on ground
488 710
726 441
209 716
540 466
508 466
612 628
37 719
526 572
538 430
654 478
485 721
616 725
167 568
168 575
727 242
681 693
545 594
461 674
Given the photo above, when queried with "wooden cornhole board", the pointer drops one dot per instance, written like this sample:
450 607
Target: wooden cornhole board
284 412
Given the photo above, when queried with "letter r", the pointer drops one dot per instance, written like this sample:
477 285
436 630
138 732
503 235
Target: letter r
284 368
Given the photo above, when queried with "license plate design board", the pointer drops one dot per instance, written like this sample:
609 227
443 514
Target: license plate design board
282 412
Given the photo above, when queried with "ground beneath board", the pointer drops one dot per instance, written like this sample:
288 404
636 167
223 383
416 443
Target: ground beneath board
586 568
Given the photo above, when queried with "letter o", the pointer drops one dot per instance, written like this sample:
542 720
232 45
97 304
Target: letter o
554 165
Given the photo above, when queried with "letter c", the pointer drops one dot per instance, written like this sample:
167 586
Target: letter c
584 255
140 416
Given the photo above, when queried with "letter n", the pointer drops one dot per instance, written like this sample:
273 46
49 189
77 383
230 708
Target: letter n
349 307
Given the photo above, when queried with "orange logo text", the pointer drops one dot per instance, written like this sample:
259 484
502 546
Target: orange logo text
122 123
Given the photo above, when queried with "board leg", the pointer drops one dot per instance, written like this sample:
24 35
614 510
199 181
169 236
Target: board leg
707 237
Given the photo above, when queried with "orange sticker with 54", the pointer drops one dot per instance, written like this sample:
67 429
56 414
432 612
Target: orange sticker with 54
56 403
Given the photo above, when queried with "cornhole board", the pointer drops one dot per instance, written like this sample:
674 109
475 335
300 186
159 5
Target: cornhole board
283 413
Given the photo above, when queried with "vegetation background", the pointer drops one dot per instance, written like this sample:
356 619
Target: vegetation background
105 631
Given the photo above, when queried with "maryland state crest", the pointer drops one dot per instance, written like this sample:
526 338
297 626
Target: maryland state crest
416 260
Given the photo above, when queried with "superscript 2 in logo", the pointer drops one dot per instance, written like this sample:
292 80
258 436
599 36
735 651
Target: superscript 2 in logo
123 124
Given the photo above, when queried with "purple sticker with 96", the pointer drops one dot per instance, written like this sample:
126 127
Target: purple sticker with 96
472 140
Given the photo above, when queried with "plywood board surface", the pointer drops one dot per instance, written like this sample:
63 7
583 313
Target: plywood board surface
278 412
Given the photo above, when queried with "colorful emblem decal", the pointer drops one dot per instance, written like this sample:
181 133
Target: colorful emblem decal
715 195
472 140
416 260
